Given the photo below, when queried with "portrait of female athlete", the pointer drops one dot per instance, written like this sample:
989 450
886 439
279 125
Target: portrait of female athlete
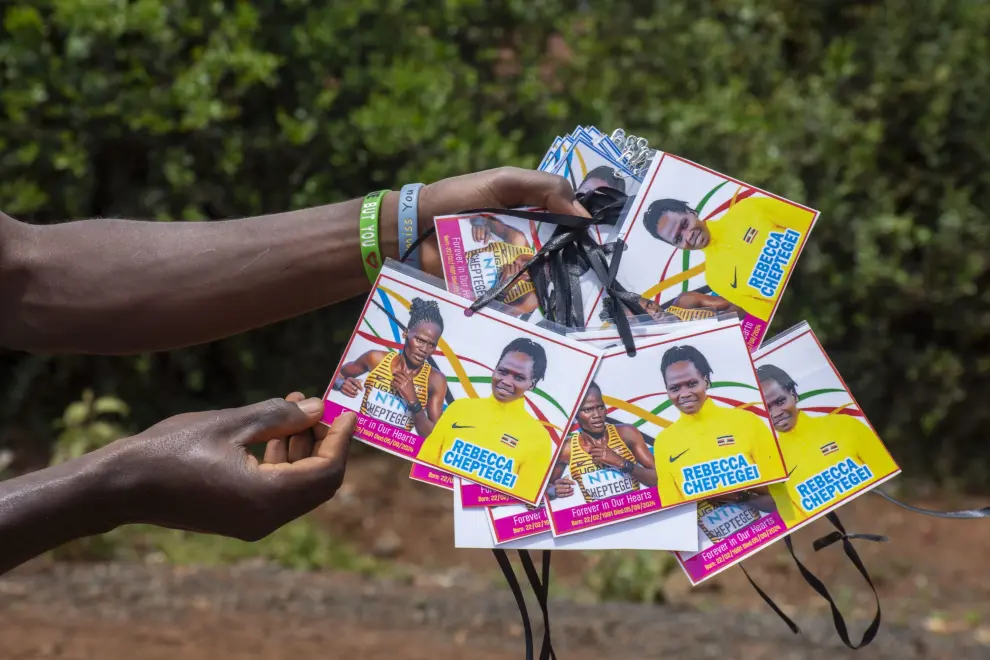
604 459
500 260
402 389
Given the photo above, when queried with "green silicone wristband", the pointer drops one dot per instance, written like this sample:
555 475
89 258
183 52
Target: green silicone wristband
371 251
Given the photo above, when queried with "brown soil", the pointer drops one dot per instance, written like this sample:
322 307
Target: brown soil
454 605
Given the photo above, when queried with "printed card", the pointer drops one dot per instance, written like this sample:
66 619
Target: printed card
689 424
479 251
831 451
674 529
432 476
509 519
483 396
699 240
587 167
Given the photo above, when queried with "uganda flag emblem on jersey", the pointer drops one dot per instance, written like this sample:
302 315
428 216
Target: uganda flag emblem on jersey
509 440
726 440
829 448
750 235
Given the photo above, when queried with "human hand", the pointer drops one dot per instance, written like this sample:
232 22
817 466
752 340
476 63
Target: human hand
563 487
195 472
603 455
402 382
504 187
518 265
482 233
351 387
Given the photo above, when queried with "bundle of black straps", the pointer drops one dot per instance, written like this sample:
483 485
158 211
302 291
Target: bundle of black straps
555 271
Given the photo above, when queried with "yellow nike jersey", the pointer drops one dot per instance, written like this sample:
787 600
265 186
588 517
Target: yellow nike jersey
829 458
491 443
717 450
486 265
595 481
383 403
753 248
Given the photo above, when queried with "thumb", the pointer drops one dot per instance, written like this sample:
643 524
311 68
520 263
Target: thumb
277 418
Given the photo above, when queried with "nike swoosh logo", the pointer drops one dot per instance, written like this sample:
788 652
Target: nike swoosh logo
792 471
735 278
674 458
458 426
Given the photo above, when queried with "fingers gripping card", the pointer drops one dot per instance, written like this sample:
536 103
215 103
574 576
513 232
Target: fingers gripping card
485 397
697 239
831 453
680 421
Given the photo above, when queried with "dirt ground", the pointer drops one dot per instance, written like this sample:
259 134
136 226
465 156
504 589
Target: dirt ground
453 604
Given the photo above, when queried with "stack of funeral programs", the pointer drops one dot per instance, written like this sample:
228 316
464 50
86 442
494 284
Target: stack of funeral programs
706 440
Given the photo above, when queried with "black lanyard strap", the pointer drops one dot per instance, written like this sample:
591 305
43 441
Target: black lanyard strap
819 586
510 577
964 514
769 601
541 587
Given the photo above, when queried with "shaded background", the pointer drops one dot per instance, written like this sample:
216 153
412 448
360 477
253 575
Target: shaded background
875 113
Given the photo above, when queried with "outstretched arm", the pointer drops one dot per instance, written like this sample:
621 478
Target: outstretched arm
122 287
191 472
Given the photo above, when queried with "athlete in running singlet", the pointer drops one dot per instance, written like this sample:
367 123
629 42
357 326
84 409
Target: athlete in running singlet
603 459
402 389
500 260
688 306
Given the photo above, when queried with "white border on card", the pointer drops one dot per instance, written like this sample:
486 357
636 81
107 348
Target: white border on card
775 343
674 529
395 272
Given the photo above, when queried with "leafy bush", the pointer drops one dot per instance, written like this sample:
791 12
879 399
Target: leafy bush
878 114
633 575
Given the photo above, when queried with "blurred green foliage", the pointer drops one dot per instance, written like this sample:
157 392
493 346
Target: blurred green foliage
632 575
878 114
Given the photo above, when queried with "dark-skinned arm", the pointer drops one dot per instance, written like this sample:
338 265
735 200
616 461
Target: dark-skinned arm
427 418
192 472
645 471
510 235
120 287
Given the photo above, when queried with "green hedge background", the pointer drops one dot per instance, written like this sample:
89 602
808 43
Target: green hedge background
878 114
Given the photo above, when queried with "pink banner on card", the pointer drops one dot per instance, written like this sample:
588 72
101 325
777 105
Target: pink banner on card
606 511
735 547
753 330
473 496
520 525
380 434
432 476
455 273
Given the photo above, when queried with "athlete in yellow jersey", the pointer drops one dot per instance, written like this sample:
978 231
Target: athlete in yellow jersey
603 459
749 251
828 458
494 441
501 260
401 388
709 450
